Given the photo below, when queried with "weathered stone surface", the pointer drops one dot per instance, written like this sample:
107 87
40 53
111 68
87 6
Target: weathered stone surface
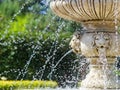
100 41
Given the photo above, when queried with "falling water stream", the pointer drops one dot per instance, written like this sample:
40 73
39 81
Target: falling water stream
103 61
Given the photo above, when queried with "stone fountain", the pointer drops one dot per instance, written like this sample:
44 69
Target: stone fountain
100 41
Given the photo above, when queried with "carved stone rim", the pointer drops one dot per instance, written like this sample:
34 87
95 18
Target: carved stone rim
98 66
98 56
99 20
96 31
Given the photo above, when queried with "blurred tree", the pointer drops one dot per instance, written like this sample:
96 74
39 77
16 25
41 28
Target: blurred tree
9 7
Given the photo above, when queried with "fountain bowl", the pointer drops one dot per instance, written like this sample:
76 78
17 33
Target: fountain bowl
95 12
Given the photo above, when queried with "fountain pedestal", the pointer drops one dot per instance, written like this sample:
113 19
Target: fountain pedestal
97 78
99 46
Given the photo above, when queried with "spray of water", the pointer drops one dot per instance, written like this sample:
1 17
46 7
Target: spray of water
24 71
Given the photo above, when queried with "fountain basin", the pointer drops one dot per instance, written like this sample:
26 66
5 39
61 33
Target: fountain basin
93 12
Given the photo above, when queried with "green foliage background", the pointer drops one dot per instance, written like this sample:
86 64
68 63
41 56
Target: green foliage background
41 39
